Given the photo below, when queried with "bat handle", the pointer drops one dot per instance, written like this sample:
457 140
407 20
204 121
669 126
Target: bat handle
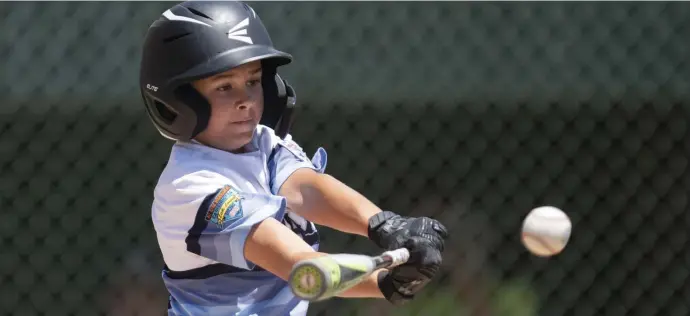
393 258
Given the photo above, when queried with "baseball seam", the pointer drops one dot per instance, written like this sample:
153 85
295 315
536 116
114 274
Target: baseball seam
541 241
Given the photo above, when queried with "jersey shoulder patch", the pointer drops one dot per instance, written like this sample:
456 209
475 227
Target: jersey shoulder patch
225 207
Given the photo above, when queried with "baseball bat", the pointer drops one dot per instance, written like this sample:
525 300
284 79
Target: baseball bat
320 278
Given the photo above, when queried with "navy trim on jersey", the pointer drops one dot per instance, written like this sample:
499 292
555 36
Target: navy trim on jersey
271 164
309 235
200 224
204 272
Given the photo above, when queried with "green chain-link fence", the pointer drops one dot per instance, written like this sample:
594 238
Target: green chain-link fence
469 112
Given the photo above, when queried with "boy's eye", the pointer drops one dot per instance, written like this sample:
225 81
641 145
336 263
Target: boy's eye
254 82
224 87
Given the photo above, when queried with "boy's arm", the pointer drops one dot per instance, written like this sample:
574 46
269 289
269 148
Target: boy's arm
274 247
324 200
369 288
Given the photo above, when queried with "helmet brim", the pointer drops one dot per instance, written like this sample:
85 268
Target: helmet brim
231 59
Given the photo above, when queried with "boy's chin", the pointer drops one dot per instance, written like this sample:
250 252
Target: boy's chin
243 136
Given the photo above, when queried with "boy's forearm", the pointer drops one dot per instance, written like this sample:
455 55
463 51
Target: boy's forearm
369 288
344 208
274 247
326 201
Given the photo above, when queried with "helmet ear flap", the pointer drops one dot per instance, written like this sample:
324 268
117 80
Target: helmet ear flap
163 112
202 109
166 114
279 102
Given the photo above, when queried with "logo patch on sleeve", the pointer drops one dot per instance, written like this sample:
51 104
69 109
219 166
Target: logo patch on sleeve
225 208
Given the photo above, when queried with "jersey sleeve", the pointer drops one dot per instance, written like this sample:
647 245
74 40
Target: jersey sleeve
212 219
287 157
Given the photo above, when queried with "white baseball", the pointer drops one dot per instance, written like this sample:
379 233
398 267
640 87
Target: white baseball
546 231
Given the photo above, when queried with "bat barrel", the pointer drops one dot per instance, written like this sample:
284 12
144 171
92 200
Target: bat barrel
309 280
325 276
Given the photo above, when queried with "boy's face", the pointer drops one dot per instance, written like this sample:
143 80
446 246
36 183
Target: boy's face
237 102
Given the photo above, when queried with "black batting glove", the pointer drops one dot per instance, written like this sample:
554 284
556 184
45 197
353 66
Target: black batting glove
402 283
391 231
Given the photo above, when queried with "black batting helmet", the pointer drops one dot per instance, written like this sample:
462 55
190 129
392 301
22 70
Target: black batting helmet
194 40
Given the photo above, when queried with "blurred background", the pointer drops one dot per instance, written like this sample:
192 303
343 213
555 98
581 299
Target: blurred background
469 112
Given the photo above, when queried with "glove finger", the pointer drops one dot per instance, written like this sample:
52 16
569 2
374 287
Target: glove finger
435 240
430 229
424 263
424 256
426 224
415 245
430 224
430 262
441 229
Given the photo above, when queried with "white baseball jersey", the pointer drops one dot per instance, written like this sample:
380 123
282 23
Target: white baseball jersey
205 203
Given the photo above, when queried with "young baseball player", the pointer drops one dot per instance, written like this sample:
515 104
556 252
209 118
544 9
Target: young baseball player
234 209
